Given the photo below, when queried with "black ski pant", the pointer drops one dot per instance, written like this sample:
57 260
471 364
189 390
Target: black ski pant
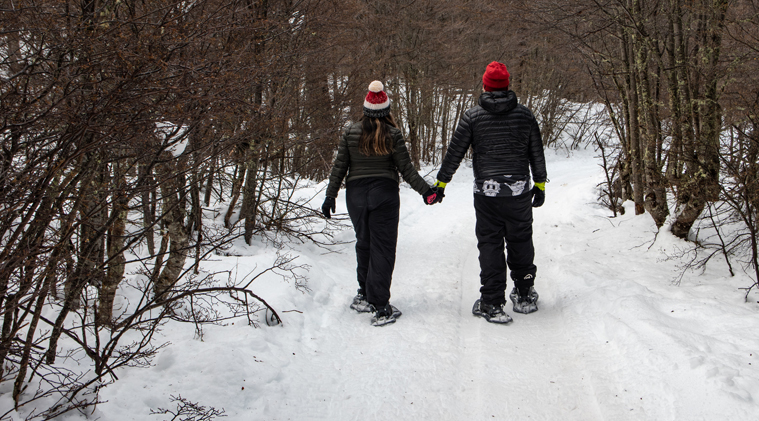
373 205
502 219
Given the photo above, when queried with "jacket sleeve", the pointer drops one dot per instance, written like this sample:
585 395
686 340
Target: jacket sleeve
339 168
402 161
537 156
457 149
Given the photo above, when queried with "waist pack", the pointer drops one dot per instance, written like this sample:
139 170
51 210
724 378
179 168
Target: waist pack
502 186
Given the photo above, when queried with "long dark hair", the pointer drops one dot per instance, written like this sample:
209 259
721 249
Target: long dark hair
375 136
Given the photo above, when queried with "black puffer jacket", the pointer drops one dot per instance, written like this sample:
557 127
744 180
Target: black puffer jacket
505 139
357 165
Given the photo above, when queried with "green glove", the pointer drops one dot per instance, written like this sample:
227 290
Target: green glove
439 189
538 194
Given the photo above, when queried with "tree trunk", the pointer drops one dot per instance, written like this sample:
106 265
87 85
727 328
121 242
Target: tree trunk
116 259
635 152
148 210
702 170
655 199
412 115
249 209
239 178
93 216
210 176
173 209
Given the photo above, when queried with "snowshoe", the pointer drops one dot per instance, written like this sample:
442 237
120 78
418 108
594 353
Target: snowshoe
491 313
524 304
385 315
360 304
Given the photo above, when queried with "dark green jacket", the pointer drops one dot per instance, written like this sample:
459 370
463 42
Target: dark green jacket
357 165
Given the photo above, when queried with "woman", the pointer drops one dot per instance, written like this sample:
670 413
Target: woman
372 152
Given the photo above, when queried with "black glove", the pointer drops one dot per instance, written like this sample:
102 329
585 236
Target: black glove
538 197
440 193
329 204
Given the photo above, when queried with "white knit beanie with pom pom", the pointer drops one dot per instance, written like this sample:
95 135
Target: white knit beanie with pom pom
376 104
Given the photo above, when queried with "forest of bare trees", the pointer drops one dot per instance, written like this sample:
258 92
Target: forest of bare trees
123 121
676 77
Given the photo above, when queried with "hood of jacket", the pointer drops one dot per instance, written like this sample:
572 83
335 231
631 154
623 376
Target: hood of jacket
498 102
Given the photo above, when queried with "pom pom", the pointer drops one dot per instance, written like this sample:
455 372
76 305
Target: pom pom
376 86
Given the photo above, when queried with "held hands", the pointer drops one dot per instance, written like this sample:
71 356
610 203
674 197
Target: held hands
430 197
538 195
435 194
329 204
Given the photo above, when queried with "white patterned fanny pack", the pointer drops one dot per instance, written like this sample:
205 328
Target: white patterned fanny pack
501 186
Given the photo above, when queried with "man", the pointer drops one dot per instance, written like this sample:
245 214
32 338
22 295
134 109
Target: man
506 144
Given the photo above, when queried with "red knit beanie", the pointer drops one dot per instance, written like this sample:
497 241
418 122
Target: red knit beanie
496 77
376 103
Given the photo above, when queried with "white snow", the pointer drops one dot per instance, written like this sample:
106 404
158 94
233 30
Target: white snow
615 337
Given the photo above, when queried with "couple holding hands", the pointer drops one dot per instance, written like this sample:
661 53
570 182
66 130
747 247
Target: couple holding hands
507 155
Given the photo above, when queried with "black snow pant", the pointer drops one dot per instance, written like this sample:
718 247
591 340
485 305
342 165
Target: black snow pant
373 205
509 219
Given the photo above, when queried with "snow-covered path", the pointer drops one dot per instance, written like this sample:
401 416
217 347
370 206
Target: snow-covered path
614 338
438 361
529 369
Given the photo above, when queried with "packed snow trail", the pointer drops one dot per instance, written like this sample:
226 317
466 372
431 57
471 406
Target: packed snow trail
614 339
439 361
528 369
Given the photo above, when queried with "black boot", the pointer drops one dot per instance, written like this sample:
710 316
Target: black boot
385 315
490 312
524 301
360 304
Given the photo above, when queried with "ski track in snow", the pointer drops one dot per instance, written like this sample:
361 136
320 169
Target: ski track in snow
614 338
